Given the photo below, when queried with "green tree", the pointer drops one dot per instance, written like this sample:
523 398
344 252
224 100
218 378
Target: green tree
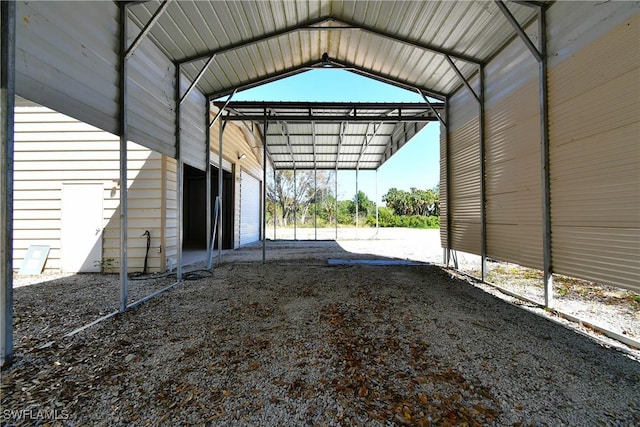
414 202
365 206
296 192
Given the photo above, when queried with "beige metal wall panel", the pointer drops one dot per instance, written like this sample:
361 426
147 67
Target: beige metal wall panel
151 97
67 58
512 155
52 149
594 153
193 128
464 161
573 25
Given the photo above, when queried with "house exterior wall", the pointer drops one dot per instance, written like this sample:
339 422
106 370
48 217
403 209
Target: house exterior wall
238 139
52 149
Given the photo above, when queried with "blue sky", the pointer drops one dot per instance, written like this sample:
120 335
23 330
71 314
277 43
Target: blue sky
415 165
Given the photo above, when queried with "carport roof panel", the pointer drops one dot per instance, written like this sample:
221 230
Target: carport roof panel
332 135
400 42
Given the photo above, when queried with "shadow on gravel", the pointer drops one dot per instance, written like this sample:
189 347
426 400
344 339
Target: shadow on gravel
296 341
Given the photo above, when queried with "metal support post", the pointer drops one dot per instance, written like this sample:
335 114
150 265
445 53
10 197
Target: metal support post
357 203
221 200
315 202
7 104
377 224
208 199
180 170
123 128
540 54
483 197
546 173
336 191
447 144
295 204
275 208
264 191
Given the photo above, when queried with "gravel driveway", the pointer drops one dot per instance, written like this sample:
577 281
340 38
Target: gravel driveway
297 341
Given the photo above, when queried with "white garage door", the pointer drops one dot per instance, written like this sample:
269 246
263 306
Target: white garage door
249 209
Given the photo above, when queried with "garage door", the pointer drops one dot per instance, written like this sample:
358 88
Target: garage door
249 209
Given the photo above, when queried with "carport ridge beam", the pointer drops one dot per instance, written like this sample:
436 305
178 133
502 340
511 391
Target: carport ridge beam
7 107
315 64
348 66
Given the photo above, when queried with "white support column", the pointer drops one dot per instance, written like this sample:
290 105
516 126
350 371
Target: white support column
7 104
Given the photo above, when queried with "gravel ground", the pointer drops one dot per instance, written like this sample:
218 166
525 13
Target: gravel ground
298 342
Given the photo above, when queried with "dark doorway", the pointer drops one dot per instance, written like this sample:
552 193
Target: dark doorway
194 209
195 212
227 206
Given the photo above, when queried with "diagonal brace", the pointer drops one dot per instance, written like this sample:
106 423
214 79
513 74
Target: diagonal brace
518 28
198 77
147 28
464 80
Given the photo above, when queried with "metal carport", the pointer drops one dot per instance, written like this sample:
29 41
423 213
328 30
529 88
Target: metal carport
516 79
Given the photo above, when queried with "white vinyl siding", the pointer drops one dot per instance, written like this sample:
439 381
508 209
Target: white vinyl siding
249 209
52 149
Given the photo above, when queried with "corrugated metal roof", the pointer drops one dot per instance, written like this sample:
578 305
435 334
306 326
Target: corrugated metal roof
404 42
333 135
226 46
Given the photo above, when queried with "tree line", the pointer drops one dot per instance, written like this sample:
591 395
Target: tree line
308 197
